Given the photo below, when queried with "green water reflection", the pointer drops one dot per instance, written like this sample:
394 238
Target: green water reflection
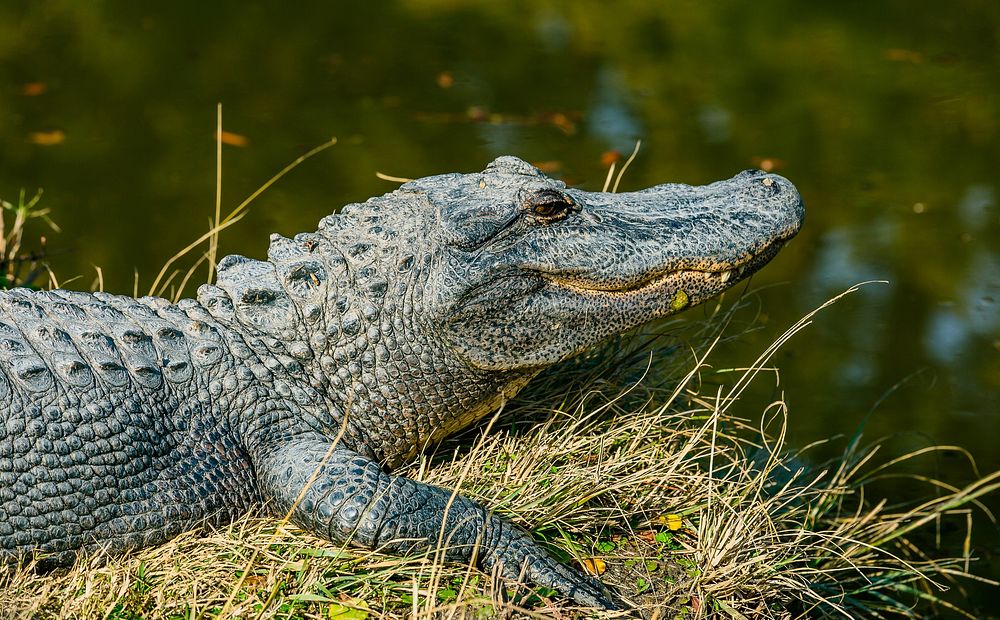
885 114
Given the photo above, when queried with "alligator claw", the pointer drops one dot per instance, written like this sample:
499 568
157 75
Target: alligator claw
539 567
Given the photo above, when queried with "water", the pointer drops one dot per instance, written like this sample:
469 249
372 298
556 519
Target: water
886 116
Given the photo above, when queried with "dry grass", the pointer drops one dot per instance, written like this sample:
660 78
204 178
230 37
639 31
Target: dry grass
622 462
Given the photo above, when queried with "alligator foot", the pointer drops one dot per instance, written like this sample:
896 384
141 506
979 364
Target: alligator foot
350 499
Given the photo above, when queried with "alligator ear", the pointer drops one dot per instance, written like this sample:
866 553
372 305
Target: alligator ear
468 221
470 227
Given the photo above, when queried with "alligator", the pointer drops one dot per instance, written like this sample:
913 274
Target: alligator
301 381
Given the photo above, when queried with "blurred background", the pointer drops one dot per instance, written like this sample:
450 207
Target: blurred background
884 114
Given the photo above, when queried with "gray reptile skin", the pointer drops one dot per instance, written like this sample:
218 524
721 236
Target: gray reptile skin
401 320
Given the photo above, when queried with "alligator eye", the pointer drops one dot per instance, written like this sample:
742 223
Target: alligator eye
551 206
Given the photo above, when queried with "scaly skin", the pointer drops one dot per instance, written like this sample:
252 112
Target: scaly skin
399 321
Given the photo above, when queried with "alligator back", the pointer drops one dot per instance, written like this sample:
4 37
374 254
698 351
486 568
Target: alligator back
109 436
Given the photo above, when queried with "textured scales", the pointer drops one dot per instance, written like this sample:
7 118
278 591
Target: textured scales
399 321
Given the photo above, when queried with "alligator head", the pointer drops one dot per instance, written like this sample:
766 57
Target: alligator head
533 272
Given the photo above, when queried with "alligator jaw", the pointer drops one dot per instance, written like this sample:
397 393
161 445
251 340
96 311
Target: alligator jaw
711 281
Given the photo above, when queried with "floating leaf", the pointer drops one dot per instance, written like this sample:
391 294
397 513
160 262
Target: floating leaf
904 55
233 139
610 157
768 164
548 166
48 138
34 89
563 123
445 79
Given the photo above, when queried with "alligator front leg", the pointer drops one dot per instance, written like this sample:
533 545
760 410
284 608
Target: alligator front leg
349 499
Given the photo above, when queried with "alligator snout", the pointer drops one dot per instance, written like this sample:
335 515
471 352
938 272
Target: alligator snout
773 195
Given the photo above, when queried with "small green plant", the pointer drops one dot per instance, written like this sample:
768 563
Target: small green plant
12 262
641 585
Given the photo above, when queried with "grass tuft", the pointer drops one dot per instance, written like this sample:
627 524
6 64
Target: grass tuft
17 268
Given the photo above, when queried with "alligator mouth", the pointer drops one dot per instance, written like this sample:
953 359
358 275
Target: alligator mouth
714 279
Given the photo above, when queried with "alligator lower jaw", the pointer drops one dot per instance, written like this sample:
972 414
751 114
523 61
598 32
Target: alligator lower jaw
712 282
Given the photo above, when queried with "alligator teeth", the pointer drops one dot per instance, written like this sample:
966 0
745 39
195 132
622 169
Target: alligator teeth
724 276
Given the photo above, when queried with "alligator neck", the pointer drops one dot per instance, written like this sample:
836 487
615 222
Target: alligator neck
369 368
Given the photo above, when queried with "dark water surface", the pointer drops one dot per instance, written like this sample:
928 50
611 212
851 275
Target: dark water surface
885 114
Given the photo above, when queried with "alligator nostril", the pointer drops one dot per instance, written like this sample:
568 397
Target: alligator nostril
773 187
